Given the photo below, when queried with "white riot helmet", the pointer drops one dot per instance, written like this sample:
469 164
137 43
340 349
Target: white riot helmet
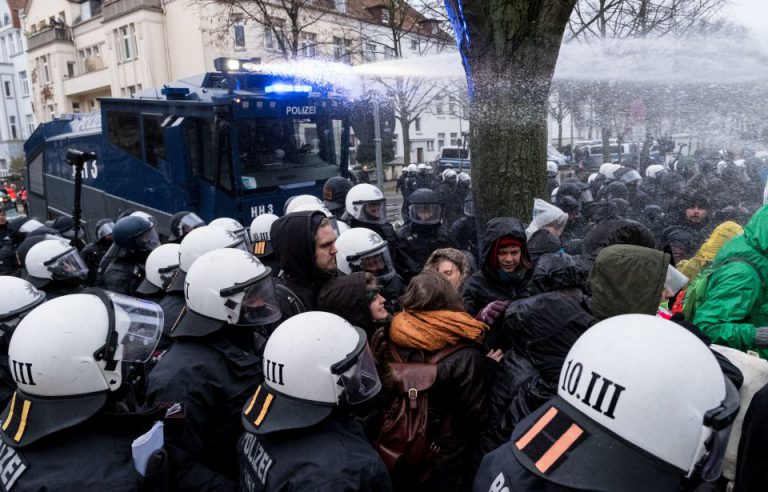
260 234
19 297
343 227
608 169
464 178
592 177
144 215
227 286
653 171
450 176
160 268
54 259
312 362
367 204
413 169
232 225
422 168
66 355
198 242
552 167
299 200
30 225
553 195
640 403
362 250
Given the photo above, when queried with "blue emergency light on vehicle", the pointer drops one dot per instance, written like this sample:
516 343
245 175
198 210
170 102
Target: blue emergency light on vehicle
234 143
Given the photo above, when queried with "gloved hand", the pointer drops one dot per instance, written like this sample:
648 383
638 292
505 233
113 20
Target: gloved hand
761 337
492 311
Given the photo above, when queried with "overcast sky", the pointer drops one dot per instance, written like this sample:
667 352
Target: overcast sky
751 13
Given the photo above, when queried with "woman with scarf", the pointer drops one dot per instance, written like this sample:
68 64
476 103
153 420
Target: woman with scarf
433 319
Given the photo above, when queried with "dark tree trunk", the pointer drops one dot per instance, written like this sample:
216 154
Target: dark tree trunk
406 126
509 48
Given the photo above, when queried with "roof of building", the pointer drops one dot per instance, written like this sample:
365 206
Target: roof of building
15 6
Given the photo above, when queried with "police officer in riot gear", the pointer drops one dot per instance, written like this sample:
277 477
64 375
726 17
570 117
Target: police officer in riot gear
94 252
335 192
425 232
68 425
182 223
122 268
261 239
214 365
300 434
55 267
161 267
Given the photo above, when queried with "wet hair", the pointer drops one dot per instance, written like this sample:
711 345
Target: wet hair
431 291
449 254
370 281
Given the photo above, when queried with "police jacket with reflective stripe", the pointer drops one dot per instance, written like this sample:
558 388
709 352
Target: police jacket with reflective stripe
333 456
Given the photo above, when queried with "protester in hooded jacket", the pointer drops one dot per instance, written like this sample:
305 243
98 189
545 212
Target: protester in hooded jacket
541 330
304 244
452 263
356 298
545 229
617 231
432 320
734 311
688 221
503 276
751 472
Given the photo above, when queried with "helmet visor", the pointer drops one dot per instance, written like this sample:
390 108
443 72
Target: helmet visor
469 207
373 212
379 263
631 176
361 381
189 222
68 265
259 306
138 324
166 275
105 230
148 241
424 213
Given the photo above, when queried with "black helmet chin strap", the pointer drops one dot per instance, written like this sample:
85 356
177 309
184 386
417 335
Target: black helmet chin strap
107 351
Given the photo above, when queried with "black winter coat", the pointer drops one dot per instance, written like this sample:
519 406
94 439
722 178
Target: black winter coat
463 235
92 255
751 472
293 238
484 286
212 377
125 273
542 242
93 455
331 456
459 393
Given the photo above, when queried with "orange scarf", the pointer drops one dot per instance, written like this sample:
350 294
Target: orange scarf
435 330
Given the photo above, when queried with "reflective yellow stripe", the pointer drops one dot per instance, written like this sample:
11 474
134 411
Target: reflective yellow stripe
23 424
253 400
10 412
264 409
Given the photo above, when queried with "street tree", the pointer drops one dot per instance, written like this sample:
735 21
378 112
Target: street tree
509 50
288 24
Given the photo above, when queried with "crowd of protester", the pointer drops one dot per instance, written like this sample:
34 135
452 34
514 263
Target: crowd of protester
615 339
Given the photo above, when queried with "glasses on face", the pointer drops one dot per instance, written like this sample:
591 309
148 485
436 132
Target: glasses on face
372 294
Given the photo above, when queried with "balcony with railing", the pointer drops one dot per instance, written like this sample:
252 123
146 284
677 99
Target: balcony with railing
49 35
117 8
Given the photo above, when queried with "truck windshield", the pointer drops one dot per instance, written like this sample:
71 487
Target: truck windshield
455 154
274 151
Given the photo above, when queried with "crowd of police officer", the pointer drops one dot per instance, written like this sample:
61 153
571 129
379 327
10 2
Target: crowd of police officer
220 339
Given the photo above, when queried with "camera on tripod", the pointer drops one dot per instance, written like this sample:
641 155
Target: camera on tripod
78 157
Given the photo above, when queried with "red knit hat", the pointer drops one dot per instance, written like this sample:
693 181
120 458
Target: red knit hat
502 242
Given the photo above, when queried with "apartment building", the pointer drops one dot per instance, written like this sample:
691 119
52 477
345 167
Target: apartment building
81 50
17 119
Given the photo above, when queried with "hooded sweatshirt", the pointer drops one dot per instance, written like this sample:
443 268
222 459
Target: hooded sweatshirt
293 238
485 285
628 279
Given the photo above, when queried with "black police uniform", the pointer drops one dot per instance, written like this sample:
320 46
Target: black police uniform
92 255
211 376
501 472
332 456
93 455
421 240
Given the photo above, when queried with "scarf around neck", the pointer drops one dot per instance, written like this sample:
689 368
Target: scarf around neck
435 330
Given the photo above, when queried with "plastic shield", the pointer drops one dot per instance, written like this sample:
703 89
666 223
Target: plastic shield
361 381
138 324
67 265
374 212
259 306
379 263
424 213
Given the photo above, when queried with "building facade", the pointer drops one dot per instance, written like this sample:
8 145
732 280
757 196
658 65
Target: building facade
82 50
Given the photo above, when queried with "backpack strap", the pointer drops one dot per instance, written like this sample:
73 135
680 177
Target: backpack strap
739 259
442 354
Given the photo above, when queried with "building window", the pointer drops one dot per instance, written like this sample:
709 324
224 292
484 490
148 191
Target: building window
417 124
46 72
389 53
70 69
125 41
385 16
440 141
24 83
341 6
308 44
430 145
19 43
8 89
14 130
454 139
415 45
30 123
438 107
269 42
370 52
75 107
239 33
341 49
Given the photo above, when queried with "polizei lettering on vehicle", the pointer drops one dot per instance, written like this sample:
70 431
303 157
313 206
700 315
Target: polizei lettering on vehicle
300 110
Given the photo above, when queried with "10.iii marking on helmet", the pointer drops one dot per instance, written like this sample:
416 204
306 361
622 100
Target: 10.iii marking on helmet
18 373
570 383
276 375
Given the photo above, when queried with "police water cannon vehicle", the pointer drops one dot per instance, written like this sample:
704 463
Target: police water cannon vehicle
234 142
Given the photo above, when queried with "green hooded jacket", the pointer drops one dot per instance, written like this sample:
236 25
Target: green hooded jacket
735 304
627 279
